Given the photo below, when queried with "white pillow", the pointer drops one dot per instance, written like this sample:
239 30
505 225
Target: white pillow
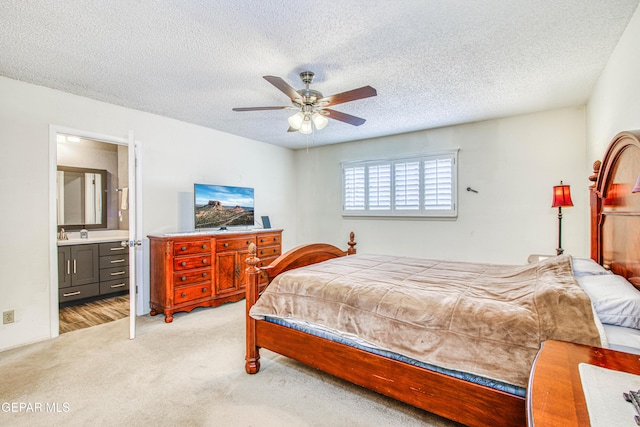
586 267
616 301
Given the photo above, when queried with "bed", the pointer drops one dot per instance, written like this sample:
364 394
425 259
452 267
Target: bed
471 395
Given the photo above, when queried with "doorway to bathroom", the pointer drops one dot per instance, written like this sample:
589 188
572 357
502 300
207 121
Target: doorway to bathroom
94 198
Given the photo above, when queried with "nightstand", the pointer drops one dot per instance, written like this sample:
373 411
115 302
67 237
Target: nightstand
554 395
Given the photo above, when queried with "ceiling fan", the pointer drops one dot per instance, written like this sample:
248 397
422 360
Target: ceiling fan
312 105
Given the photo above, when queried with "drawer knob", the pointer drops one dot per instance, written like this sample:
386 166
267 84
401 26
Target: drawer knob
261 251
184 294
261 240
204 261
184 248
204 246
183 278
204 290
225 245
183 263
204 274
248 242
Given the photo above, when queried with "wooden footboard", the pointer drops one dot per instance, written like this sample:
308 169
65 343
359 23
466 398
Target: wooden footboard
297 257
452 398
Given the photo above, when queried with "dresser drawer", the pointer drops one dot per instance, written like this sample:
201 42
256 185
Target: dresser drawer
191 247
265 261
193 276
114 273
112 286
189 293
188 263
78 292
113 248
114 261
223 245
268 240
273 251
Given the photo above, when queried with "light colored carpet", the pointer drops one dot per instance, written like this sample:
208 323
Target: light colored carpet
187 373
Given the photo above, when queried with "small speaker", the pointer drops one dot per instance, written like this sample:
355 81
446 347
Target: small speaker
265 222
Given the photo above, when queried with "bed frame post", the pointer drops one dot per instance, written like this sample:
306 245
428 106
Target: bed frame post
252 358
595 207
352 244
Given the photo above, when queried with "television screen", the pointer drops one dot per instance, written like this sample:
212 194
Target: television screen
220 206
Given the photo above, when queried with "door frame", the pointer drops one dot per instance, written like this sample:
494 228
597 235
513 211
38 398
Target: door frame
53 223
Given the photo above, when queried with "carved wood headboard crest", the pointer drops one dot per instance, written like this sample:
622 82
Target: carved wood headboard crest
615 210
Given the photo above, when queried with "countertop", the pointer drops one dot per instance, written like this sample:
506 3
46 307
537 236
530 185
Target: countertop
94 237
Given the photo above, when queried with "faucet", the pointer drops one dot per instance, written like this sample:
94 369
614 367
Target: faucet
62 235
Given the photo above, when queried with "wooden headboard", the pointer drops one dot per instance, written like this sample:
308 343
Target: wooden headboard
615 210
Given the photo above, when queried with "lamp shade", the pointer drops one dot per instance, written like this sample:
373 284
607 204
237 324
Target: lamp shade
561 196
319 120
295 121
306 127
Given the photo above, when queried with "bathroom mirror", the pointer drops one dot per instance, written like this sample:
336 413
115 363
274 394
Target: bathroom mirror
82 200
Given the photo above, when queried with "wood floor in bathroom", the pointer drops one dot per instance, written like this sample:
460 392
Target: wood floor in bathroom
93 313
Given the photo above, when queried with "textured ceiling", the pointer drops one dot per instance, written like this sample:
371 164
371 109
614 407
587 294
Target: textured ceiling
433 62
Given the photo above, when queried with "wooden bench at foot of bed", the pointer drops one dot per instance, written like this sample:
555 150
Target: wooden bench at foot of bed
449 397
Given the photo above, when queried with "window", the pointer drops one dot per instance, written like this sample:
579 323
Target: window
420 186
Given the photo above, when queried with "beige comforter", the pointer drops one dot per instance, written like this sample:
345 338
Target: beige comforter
484 319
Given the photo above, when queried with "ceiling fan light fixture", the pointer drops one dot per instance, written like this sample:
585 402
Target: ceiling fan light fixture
306 127
312 104
296 120
319 120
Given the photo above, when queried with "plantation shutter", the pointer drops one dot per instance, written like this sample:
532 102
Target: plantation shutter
407 185
380 187
423 185
438 184
354 188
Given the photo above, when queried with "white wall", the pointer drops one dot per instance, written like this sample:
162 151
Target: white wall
513 163
174 156
614 105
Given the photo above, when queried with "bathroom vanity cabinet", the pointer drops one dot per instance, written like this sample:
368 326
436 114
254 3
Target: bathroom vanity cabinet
91 270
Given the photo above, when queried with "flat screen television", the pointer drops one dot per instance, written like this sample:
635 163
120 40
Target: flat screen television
222 206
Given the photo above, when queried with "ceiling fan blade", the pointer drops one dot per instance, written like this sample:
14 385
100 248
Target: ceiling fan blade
261 108
348 96
283 86
343 117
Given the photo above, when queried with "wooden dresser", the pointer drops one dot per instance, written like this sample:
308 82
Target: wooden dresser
204 270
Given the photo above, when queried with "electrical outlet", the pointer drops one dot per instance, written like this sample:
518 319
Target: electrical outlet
7 317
